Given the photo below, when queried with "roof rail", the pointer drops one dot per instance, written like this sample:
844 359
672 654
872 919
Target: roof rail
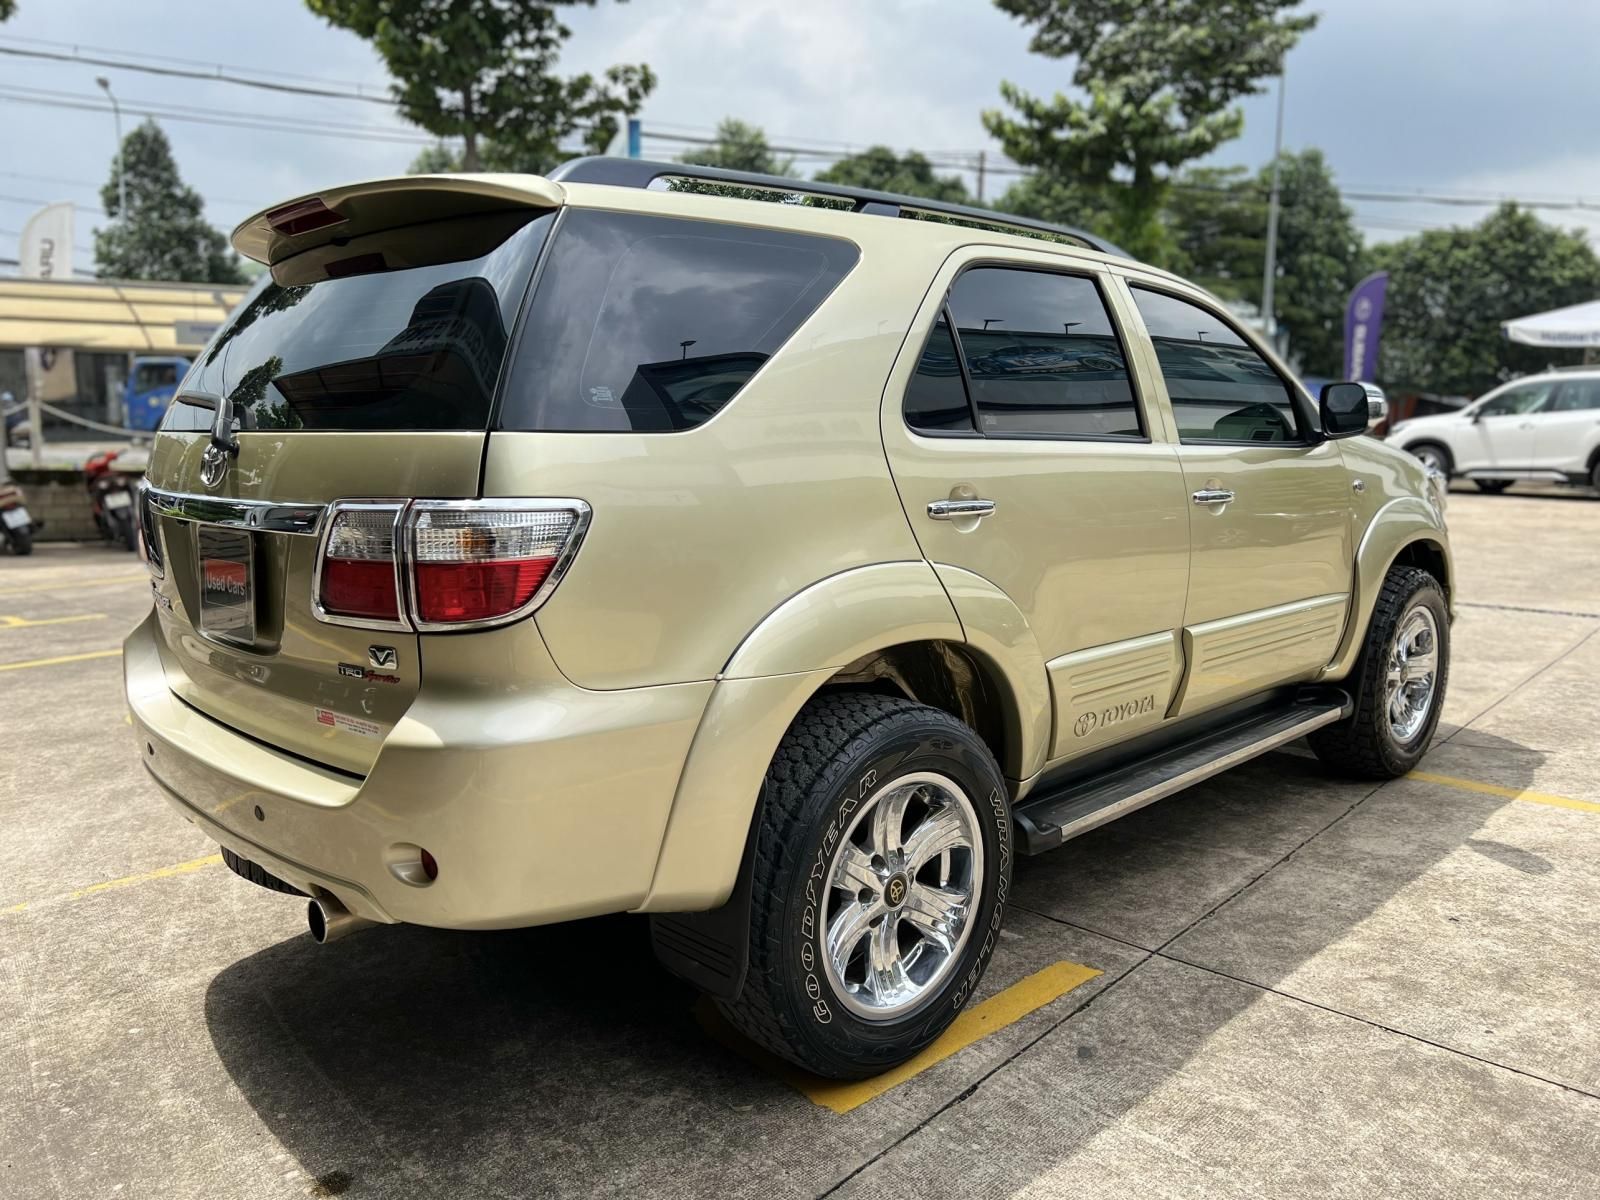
641 173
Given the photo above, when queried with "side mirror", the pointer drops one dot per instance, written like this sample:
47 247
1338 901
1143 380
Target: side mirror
1344 410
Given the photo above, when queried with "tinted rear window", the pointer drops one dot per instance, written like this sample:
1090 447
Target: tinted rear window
653 323
401 349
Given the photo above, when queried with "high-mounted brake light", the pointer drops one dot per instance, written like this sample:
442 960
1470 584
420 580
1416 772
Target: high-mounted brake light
303 216
443 564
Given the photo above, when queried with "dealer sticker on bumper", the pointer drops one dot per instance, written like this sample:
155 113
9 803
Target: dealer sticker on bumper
356 725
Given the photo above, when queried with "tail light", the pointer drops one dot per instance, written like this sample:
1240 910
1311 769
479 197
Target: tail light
474 562
438 565
357 581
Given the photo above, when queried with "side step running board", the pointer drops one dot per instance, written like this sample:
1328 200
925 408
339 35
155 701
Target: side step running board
1045 821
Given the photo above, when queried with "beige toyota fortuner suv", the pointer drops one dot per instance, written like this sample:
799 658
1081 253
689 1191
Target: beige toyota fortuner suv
525 549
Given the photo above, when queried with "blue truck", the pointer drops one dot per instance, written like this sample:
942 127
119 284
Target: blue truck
152 382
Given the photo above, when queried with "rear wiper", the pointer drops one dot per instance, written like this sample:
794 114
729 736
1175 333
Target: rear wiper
222 428
222 425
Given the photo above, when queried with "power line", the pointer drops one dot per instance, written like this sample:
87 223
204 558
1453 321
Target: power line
371 134
33 200
91 185
212 111
217 76
193 62
1398 196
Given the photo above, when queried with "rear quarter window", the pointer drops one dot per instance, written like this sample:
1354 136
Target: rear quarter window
647 323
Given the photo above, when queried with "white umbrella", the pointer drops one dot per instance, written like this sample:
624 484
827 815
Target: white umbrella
1574 327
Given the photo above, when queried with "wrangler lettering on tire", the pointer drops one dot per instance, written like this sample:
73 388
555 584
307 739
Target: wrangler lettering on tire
882 865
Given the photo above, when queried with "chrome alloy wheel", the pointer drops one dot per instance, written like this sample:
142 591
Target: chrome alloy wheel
1413 673
903 887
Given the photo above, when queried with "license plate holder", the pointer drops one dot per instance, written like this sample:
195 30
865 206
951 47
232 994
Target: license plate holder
16 518
227 584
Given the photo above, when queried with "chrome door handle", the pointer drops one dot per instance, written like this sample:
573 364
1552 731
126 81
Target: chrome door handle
955 510
1213 496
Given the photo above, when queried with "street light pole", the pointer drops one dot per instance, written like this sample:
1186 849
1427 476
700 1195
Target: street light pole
1269 275
122 182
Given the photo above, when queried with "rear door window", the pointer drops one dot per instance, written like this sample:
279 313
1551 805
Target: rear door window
1042 355
396 348
1577 395
646 323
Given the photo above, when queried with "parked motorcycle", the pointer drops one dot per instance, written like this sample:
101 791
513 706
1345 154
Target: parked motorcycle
16 525
111 498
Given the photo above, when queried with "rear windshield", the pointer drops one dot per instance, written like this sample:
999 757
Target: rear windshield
413 348
651 323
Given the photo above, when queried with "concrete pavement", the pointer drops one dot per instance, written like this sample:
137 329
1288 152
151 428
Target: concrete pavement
1309 987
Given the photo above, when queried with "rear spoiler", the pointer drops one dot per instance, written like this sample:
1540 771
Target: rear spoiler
339 214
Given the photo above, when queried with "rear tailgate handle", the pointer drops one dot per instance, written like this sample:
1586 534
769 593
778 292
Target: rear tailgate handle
956 510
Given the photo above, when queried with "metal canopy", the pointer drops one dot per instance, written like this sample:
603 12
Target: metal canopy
112 316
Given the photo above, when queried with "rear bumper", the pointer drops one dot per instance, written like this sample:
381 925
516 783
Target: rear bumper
540 801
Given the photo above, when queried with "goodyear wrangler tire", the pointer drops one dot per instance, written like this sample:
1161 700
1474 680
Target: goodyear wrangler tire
883 859
1398 682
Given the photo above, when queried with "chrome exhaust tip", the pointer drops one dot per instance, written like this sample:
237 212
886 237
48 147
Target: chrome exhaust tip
328 920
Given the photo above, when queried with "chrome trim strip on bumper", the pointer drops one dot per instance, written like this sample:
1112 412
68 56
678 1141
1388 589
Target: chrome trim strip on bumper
267 516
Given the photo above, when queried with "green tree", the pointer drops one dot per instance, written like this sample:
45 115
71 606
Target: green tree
1049 198
483 71
880 168
437 159
1450 289
7 9
163 234
739 147
1218 221
1158 82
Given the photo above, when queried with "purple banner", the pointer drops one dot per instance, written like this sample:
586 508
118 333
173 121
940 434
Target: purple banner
1363 322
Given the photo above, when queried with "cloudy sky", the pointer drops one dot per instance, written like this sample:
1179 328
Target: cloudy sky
1465 98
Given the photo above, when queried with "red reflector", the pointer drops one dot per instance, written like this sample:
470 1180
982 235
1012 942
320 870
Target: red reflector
359 588
303 217
477 591
430 868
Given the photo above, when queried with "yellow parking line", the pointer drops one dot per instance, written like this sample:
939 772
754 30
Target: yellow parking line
1494 789
979 1021
28 622
60 658
194 864
58 587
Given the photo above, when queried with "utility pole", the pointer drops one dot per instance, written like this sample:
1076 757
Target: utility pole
1269 277
981 163
122 182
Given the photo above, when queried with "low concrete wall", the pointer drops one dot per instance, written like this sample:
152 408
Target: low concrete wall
61 500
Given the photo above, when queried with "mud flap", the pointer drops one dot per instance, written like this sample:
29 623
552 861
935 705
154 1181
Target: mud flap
711 949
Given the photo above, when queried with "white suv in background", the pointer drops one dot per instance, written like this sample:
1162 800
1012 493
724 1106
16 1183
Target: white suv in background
1541 428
